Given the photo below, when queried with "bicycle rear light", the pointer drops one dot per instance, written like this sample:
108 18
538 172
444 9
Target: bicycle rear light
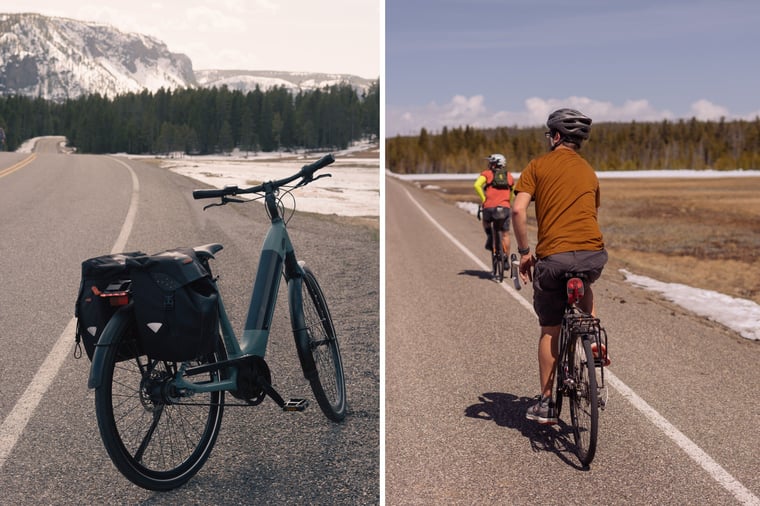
117 293
574 290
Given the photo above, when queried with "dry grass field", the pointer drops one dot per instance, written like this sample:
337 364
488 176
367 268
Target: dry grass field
699 232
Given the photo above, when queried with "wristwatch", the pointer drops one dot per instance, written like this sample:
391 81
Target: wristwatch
523 251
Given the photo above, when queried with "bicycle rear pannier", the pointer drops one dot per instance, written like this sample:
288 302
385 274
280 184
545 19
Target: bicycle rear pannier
176 305
93 311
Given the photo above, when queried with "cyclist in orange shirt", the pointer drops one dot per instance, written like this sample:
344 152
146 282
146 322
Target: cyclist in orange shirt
566 192
495 192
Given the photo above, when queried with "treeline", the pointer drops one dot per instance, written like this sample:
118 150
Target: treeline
199 121
684 144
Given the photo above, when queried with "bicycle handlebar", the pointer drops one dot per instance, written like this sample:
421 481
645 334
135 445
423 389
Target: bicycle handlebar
306 174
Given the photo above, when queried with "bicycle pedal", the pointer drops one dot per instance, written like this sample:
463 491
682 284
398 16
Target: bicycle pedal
295 405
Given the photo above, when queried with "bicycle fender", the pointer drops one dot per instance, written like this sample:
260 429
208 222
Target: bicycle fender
112 329
295 301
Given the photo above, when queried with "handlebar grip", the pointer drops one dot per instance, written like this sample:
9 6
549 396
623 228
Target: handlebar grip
322 162
210 194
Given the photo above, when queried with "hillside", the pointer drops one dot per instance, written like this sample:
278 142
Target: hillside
60 58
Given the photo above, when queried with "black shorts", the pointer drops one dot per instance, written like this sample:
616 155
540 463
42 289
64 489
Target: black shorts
549 282
496 214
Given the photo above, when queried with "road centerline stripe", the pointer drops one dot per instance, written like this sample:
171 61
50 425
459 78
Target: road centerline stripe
15 423
19 165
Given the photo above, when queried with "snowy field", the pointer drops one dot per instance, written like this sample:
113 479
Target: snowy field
740 315
353 189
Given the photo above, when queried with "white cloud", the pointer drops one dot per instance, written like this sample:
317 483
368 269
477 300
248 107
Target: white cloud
461 111
706 110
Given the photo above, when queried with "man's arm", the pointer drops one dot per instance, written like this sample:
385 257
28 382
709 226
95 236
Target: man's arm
520 226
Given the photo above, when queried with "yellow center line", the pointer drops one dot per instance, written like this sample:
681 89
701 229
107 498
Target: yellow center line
20 165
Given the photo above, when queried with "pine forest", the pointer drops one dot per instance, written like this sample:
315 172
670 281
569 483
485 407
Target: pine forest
682 144
199 121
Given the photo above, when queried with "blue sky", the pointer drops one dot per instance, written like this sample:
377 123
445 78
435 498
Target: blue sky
511 62
331 36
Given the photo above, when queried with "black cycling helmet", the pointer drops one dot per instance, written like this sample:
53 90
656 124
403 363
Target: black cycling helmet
570 123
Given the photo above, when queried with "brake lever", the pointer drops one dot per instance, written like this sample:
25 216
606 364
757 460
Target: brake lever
223 202
305 181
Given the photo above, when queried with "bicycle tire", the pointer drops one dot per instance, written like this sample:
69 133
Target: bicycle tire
156 444
584 400
500 260
318 349
497 254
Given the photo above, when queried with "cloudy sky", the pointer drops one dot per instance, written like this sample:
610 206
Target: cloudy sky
332 36
510 62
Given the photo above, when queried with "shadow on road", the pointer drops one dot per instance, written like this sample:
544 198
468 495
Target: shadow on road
508 410
478 274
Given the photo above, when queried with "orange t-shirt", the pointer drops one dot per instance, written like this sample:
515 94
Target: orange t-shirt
566 192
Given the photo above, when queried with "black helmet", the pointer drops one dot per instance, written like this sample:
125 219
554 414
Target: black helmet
570 123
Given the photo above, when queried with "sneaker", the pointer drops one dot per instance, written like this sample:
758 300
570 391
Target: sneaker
542 411
595 352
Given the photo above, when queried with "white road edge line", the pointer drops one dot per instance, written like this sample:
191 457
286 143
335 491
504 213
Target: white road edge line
715 470
15 423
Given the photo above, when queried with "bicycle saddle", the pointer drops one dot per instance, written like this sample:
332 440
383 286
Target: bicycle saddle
207 250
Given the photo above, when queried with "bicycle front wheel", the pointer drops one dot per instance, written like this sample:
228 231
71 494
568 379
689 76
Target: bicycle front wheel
153 439
318 350
584 400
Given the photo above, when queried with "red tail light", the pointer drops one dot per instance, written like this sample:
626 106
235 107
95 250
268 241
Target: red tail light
574 290
116 298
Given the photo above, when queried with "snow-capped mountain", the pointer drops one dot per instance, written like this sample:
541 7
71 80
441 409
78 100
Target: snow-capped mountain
60 58
247 80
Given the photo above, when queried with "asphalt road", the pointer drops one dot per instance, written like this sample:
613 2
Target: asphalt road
57 210
460 355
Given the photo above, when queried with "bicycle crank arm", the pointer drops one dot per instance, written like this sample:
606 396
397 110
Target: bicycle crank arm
291 405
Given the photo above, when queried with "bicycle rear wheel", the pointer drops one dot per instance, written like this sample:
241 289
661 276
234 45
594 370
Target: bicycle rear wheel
497 256
584 399
498 266
153 440
318 349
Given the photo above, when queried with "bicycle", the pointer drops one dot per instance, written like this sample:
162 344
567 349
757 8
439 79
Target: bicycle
159 420
580 369
498 255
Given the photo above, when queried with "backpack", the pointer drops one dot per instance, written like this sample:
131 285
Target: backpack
92 310
175 305
501 179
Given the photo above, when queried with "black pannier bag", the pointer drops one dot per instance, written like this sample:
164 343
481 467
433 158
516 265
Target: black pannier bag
175 304
93 311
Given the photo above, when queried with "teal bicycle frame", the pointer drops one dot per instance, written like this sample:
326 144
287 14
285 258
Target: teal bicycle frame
277 251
